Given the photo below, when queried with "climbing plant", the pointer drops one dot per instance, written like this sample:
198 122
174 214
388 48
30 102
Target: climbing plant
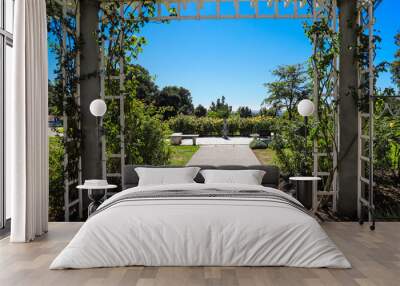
118 35
63 103
324 75
120 40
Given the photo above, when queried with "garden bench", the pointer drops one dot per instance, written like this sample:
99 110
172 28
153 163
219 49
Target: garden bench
176 138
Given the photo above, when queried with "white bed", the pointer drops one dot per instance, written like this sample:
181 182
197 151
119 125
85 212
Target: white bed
202 231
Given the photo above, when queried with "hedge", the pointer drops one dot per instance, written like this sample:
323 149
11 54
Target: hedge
208 126
258 144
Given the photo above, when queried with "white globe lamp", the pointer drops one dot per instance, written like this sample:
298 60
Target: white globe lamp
98 108
305 107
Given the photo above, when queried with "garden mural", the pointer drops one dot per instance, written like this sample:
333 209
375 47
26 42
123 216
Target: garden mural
153 113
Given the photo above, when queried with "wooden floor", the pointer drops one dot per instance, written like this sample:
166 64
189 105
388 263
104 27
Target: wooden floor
375 257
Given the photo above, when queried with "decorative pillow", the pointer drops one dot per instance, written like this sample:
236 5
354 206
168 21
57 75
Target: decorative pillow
166 176
248 177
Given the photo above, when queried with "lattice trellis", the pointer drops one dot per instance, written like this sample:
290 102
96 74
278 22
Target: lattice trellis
365 179
313 10
261 9
69 27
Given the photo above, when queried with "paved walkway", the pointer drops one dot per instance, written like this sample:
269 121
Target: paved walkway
219 141
224 155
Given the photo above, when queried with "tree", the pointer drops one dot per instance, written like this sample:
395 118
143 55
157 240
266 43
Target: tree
142 82
220 108
55 101
289 89
175 100
145 135
396 63
268 112
245 111
200 111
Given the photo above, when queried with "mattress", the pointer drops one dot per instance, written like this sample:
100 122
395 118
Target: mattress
201 225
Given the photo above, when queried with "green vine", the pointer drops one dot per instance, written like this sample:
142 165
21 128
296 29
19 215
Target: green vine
324 76
361 93
63 100
119 36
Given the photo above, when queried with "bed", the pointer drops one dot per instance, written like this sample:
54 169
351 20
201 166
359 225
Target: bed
201 224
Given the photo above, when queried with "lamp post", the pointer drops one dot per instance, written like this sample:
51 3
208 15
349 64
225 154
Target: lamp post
98 108
305 109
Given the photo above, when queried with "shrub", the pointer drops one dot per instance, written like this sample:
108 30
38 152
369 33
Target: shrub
145 135
288 144
246 126
212 126
262 126
183 123
200 111
56 179
258 144
233 125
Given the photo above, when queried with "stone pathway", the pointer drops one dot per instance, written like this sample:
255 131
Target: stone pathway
219 141
224 155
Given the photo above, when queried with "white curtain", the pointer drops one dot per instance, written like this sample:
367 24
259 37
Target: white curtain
26 124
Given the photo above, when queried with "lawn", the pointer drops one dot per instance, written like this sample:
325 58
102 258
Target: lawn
180 155
265 156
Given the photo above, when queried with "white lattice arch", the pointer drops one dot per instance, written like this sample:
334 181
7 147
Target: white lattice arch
261 9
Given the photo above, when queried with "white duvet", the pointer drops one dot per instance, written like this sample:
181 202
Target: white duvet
202 232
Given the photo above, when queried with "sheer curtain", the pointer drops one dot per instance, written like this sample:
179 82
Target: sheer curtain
26 124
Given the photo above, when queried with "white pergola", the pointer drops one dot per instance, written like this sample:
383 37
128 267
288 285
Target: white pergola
313 10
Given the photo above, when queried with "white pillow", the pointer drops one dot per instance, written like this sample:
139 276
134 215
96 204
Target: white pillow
166 176
248 177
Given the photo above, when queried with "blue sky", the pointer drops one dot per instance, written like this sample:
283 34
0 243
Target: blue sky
234 58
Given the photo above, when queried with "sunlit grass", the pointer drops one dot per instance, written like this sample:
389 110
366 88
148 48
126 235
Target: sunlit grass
265 156
180 155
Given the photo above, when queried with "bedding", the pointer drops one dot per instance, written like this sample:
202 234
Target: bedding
164 176
247 177
201 225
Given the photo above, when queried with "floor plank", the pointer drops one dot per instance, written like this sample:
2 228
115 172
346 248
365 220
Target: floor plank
375 257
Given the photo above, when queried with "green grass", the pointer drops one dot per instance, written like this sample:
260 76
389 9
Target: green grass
180 155
265 156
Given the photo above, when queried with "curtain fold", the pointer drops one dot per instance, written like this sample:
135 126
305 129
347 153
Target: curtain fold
26 119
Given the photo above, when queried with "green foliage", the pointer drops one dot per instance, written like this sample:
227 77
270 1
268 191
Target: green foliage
139 79
175 100
144 132
200 111
387 144
220 108
211 126
395 68
271 111
324 75
265 156
63 101
258 144
180 155
170 101
246 127
145 136
291 86
244 111
124 28
289 145
119 37
56 178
